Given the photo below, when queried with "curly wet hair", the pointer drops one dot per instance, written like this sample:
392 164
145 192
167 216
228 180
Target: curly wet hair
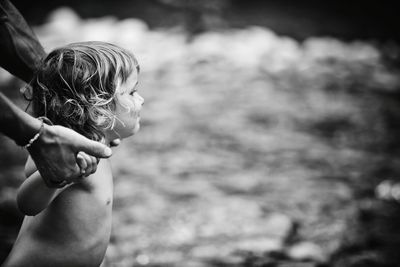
75 86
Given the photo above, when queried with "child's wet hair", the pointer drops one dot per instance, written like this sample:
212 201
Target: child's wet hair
76 86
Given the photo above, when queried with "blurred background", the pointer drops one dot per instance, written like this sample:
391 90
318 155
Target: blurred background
269 134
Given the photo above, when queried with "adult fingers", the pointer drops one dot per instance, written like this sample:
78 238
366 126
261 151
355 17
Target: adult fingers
93 148
81 143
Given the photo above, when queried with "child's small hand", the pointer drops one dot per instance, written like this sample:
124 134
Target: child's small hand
86 163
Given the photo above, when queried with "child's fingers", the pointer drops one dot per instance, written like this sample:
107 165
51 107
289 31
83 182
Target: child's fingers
91 163
94 162
82 162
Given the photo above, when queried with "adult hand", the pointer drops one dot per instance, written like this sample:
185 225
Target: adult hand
55 154
88 164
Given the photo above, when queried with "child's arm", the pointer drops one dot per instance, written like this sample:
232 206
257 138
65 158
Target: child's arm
30 167
33 195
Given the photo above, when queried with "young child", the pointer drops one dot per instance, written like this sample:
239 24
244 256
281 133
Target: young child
91 88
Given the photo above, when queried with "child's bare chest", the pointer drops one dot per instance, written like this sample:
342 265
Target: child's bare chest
77 222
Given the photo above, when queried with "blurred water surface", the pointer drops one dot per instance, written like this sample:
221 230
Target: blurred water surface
238 125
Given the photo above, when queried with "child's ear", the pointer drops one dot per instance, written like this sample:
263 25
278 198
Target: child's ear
30 167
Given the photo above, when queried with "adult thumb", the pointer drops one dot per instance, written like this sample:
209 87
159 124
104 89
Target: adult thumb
95 149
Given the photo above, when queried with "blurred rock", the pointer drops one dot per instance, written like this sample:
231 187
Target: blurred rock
306 251
260 246
323 48
134 33
244 184
300 264
212 251
388 190
280 226
166 258
217 258
64 17
192 263
233 216
365 258
230 260
62 24
112 253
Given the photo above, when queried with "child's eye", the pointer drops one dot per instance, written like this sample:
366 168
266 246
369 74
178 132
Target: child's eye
133 92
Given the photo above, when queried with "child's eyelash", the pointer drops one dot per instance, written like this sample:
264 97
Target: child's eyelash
133 92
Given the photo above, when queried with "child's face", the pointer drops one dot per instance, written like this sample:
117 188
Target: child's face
127 110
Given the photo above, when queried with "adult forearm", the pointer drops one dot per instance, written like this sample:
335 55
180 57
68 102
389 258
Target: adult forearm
15 123
20 50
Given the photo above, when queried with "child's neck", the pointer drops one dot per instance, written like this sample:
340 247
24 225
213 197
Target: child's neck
107 142
109 137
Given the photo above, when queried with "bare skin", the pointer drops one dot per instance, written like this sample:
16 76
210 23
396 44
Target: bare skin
71 226
68 221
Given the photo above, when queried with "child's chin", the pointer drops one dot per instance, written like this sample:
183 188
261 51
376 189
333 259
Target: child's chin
133 132
136 128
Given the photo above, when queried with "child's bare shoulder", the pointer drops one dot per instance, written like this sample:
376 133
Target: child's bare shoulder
98 185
